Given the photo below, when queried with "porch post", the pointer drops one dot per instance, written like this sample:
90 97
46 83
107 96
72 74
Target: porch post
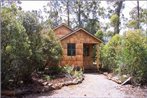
82 62
97 56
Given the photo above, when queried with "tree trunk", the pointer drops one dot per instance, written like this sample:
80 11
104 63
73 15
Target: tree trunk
79 13
68 19
118 9
138 14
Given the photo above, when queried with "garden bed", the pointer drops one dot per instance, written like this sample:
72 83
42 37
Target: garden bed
118 79
41 85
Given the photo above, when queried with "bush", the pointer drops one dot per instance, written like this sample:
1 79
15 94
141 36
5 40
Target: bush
99 34
51 48
15 49
73 71
134 55
53 70
24 48
108 53
68 69
78 74
126 55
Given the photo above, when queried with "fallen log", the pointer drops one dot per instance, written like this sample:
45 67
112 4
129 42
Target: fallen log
126 81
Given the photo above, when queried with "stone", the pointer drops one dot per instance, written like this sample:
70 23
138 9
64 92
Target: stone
50 84
45 83
57 86
105 73
40 80
109 76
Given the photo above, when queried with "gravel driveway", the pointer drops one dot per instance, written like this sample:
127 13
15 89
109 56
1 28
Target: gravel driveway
94 85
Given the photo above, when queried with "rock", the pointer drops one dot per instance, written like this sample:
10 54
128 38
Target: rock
46 88
124 76
116 79
40 80
45 83
57 86
68 83
105 73
109 76
75 81
50 84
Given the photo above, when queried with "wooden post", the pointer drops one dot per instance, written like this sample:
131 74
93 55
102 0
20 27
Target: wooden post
97 56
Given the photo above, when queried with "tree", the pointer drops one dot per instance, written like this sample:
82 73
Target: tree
115 14
25 49
51 47
67 7
138 14
78 9
92 26
99 34
92 14
54 12
15 48
134 22
117 11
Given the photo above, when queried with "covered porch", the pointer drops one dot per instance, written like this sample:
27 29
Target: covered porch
91 56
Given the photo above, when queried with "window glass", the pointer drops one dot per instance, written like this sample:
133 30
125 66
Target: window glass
86 50
71 51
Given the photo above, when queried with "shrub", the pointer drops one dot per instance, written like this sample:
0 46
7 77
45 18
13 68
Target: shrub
24 49
15 49
134 55
78 74
53 70
126 55
73 71
51 48
108 53
99 34
68 69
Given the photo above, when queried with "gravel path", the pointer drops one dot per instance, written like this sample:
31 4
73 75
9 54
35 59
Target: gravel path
94 85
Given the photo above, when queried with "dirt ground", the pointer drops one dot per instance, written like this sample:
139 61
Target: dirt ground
95 85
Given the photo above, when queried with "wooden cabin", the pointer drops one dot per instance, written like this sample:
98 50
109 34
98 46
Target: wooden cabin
77 46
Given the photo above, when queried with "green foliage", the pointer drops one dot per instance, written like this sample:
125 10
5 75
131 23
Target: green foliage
109 51
68 69
15 50
114 19
92 25
78 74
51 47
132 24
127 55
99 34
46 77
24 47
135 55
53 70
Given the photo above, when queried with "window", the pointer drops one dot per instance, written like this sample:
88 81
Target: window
86 50
71 50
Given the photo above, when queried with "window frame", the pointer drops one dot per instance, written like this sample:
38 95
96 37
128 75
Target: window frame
71 49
